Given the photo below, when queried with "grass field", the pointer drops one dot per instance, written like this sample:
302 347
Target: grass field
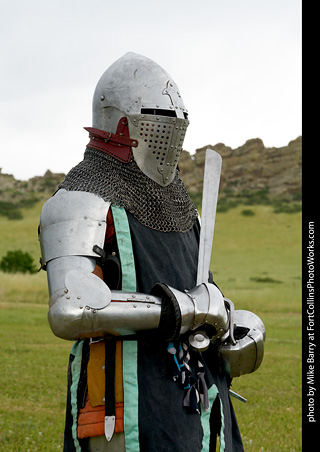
256 263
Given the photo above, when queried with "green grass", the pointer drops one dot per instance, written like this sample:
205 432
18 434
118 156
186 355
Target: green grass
256 263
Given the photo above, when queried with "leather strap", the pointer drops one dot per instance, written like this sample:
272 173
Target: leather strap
117 145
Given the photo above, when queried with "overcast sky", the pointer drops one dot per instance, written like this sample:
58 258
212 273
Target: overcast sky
237 64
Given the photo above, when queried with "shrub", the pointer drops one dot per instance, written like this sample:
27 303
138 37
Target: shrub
18 261
266 279
282 207
10 210
247 213
225 204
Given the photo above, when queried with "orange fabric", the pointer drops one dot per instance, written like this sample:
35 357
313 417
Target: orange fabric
91 420
98 272
91 417
96 373
118 374
110 233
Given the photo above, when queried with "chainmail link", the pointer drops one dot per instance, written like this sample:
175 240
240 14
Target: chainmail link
123 184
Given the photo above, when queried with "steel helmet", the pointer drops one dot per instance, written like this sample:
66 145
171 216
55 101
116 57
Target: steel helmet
135 91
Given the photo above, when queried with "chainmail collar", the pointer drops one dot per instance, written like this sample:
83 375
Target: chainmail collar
123 184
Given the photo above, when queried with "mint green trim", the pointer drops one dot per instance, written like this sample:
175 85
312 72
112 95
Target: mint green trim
130 391
125 248
205 419
222 443
129 348
75 372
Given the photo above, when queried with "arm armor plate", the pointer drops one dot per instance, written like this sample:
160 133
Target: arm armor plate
82 305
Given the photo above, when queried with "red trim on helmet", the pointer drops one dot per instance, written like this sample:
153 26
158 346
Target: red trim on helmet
117 145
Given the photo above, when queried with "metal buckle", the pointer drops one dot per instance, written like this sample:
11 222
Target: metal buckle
94 340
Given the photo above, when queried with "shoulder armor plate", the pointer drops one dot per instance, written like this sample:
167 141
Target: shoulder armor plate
71 223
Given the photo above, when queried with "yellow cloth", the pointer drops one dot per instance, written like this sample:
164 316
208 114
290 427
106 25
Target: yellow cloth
96 373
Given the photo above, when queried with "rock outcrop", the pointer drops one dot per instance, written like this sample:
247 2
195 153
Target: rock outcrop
250 167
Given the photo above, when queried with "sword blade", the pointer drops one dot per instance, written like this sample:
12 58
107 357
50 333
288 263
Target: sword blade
237 396
211 181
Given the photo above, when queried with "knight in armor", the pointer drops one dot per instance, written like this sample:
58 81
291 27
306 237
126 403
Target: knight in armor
119 241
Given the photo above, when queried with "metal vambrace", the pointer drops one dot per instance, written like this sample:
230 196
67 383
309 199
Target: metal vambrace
86 307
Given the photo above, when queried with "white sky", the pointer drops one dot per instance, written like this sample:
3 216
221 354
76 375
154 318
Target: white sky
237 64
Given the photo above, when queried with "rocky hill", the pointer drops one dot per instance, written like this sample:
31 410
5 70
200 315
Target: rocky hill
251 168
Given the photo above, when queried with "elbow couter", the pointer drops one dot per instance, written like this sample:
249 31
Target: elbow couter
65 319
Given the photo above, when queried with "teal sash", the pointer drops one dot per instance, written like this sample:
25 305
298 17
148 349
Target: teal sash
205 420
130 348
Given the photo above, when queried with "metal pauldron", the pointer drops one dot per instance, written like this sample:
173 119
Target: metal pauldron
66 231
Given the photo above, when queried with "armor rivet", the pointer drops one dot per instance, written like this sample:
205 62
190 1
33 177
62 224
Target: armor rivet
148 306
148 298
78 297
134 305
102 98
65 290
94 311
88 308
68 297
80 307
